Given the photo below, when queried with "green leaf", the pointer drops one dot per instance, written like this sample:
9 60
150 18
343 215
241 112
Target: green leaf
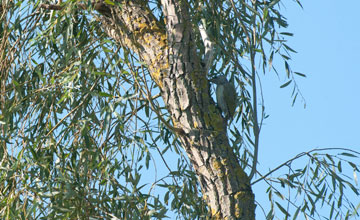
147 160
289 48
109 2
354 166
104 94
274 2
353 188
285 84
287 68
103 74
279 195
15 83
294 100
271 60
282 209
65 96
300 74
348 154
287 33
339 166
296 213
285 57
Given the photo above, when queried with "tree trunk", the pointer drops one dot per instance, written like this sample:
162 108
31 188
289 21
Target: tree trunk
170 53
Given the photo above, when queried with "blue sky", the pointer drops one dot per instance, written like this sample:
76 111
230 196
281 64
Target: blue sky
328 44
326 37
327 41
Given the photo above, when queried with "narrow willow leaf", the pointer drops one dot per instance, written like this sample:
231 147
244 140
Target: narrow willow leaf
15 83
285 84
332 210
104 94
274 2
282 209
348 154
289 48
294 100
300 74
147 160
271 60
296 213
287 68
279 194
287 33
353 188
354 166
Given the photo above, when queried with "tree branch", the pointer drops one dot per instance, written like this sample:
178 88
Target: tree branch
99 6
209 48
256 129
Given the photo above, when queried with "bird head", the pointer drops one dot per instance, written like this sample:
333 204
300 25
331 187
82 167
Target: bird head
219 80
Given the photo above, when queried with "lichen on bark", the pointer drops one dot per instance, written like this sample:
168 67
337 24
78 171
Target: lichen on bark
175 66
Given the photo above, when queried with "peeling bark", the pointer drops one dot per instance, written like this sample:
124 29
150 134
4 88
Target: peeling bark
171 57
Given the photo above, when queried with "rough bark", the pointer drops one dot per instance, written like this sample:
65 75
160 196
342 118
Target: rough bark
170 53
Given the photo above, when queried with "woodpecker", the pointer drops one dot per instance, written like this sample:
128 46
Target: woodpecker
225 96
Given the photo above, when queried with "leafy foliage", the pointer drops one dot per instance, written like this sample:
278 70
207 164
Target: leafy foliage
76 134
79 137
322 182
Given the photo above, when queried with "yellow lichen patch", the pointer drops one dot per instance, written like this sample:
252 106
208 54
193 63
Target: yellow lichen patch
192 142
163 36
154 26
165 65
224 161
128 19
221 175
204 197
239 195
158 56
174 123
138 20
156 75
143 26
238 211
215 213
195 124
216 164
163 40
139 25
145 57
148 38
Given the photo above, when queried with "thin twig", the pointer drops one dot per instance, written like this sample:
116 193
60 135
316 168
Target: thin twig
301 155
256 128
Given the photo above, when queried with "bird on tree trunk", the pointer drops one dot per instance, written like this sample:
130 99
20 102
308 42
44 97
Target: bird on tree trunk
226 96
